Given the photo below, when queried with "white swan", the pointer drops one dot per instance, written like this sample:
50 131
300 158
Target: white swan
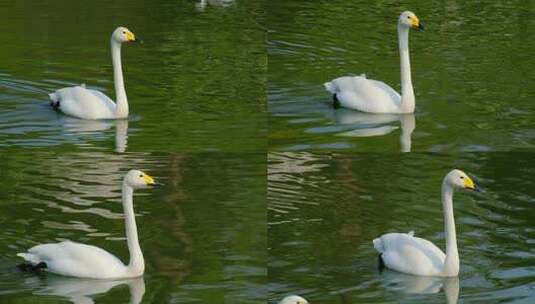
367 95
293 300
91 104
86 261
408 254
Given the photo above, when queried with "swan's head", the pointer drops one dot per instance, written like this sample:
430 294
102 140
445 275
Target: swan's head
122 34
459 179
410 20
138 179
293 300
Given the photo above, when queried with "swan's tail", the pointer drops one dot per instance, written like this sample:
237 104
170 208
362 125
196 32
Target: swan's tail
31 263
378 245
330 86
54 97
54 100
30 258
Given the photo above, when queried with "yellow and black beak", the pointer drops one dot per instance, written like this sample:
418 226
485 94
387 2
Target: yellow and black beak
132 38
417 24
148 180
469 184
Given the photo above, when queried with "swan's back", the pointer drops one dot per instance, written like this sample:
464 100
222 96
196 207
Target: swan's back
75 259
367 95
405 253
83 103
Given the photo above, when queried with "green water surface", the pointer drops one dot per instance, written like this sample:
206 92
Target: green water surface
202 233
196 90
197 83
263 192
325 209
472 71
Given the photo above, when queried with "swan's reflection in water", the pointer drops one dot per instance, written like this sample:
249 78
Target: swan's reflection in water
422 285
81 291
121 135
77 126
350 123
202 4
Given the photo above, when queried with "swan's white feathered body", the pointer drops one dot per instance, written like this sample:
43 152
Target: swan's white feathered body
406 253
368 95
86 261
80 102
77 260
84 103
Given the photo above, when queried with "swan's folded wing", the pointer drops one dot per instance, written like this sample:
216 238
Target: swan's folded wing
110 104
45 253
367 95
84 103
101 96
362 85
80 93
71 250
405 253
385 88
428 248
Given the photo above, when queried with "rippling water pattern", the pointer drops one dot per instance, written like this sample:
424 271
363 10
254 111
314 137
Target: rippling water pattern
266 189
472 72
325 209
197 123
188 81
202 233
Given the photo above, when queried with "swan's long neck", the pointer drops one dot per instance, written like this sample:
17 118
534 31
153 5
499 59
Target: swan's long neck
407 92
121 110
136 266
451 264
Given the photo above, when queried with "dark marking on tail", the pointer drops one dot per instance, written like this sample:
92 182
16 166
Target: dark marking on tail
27 267
381 262
336 102
55 104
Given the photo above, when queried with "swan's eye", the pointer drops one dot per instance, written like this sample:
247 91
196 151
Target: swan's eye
462 177
408 17
141 175
124 32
